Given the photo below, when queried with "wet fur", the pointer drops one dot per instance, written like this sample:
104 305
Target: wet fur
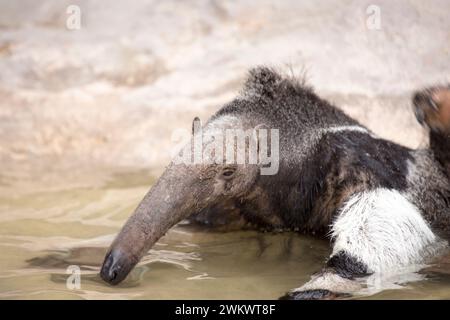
323 164
375 200
319 170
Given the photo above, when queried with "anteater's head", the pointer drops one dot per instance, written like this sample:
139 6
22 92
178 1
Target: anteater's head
242 157
219 165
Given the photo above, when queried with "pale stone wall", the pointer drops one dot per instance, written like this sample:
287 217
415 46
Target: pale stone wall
112 92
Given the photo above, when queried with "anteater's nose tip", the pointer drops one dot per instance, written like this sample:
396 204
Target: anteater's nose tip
111 268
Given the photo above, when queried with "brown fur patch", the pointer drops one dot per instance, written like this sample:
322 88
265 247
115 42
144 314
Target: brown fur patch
433 108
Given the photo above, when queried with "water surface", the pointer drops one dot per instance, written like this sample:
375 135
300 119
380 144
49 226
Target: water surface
52 220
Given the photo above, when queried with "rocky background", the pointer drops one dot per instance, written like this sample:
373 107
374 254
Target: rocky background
112 92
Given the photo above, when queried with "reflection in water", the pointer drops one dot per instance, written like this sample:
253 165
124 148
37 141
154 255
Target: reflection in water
44 230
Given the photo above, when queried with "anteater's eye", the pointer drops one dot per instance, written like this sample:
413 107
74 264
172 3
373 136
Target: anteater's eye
228 173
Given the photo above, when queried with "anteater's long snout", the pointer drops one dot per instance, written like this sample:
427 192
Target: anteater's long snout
168 202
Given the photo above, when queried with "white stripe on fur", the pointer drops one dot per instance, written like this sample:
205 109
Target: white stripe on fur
345 128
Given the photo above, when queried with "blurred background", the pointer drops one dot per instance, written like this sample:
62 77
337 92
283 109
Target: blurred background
91 91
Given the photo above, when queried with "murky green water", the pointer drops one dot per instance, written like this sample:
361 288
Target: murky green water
50 221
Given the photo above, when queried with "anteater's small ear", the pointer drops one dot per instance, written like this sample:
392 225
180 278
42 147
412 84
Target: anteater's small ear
196 125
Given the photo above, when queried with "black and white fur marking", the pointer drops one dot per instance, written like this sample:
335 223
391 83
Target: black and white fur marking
384 207
382 204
